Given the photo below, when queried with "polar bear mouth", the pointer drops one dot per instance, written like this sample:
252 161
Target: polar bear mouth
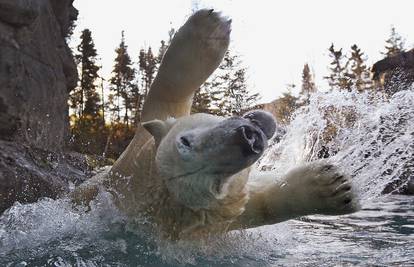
185 175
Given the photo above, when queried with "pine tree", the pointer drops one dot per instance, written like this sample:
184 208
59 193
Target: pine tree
122 81
137 101
219 86
394 44
88 127
164 46
228 89
337 78
85 99
308 85
147 67
161 51
88 73
202 100
76 100
240 98
150 69
358 72
209 97
286 105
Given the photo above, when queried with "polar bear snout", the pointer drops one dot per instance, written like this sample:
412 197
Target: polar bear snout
251 140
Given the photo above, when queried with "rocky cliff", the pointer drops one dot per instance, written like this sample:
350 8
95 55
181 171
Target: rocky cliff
395 73
37 71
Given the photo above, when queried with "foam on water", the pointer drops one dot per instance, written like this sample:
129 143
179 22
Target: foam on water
375 146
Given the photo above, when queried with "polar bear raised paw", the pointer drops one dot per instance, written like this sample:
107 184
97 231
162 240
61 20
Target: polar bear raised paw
197 48
194 53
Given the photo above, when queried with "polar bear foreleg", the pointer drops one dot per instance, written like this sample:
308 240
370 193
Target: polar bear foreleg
317 188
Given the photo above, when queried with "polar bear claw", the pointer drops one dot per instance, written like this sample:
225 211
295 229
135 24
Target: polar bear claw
322 188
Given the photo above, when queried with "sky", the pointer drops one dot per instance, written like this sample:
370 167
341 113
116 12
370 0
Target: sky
274 38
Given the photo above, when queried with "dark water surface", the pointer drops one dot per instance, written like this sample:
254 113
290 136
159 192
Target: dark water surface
381 234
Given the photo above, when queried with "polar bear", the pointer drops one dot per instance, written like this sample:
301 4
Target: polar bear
190 174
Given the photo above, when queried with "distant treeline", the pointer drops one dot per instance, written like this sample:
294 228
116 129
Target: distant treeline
347 71
103 119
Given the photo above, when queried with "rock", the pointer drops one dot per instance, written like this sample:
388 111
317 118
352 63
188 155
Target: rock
395 73
18 12
37 71
403 60
28 173
404 183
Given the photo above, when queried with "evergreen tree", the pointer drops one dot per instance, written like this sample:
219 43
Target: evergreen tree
337 78
76 100
209 97
202 100
150 69
164 46
89 73
228 90
394 44
122 81
285 106
240 98
161 51
358 73
225 93
85 99
147 67
142 64
137 101
308 85
88 126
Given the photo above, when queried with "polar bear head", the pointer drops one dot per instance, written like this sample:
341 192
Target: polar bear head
198 154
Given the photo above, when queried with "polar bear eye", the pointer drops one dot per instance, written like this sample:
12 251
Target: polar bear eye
185 141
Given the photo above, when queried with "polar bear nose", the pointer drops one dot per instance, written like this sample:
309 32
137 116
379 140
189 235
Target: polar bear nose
251 140
264 120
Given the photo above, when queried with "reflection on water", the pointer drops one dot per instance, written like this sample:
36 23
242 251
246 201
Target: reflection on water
382 233
377 149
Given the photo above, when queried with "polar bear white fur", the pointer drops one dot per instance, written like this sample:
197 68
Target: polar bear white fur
190 173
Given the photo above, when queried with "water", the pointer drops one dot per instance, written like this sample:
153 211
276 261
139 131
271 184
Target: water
374 145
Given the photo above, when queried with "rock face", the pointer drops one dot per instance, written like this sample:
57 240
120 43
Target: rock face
395 73
28 173
37 71
403 60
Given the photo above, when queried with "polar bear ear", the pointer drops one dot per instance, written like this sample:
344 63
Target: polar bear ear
158 129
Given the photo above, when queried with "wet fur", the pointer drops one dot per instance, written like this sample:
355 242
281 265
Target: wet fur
149 179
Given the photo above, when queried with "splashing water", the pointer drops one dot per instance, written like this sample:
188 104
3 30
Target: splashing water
370 138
